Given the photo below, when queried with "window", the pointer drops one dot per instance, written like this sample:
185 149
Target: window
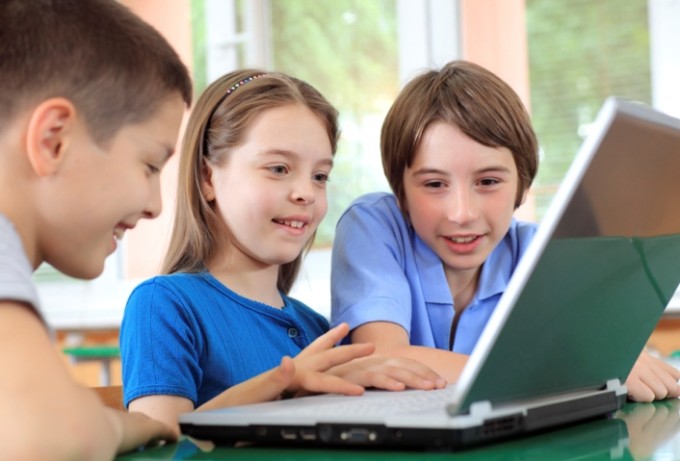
357 53
580 52
360 52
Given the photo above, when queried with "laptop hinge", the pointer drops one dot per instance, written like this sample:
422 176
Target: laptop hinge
616 386
483 409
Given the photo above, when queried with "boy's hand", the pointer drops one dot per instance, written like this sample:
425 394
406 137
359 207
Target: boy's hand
650 426
652 379
390 373
137 430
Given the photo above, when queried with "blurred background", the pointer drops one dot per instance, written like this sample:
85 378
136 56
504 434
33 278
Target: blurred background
563 59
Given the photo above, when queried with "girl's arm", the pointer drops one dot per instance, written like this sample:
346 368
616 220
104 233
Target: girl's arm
310 376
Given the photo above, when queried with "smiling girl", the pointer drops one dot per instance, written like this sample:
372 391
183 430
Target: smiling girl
256 157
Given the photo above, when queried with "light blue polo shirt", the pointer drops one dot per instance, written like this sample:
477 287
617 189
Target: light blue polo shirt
382 271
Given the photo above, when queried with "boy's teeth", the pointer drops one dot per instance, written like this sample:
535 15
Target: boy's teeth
461 239
118 234
295 224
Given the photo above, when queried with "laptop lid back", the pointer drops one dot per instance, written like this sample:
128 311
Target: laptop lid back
601 269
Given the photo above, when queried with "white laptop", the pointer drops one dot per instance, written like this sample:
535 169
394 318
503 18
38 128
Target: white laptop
583 301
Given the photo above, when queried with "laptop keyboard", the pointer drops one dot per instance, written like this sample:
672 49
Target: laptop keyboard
380 403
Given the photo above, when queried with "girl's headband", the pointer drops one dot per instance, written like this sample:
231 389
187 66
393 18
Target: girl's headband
241 83
233 88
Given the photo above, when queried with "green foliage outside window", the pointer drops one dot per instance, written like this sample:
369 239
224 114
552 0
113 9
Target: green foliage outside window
348 50
580 52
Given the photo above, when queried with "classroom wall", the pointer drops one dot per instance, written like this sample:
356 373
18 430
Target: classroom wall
147 243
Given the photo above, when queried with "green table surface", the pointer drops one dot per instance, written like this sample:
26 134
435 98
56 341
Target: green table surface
93 352
636 432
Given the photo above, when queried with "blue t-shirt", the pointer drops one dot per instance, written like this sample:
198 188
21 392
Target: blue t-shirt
189 335
383 272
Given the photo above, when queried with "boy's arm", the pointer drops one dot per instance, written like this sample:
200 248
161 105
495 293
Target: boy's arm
391 339
45 414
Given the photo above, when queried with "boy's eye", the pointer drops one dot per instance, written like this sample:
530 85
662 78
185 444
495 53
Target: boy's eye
489 181
434 184
321 178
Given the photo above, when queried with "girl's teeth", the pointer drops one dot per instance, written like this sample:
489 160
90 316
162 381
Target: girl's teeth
118 234
295 224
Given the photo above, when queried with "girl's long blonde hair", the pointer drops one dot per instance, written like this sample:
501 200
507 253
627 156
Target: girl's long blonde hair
218 123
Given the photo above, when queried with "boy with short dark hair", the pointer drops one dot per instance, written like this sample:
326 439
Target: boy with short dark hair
91 100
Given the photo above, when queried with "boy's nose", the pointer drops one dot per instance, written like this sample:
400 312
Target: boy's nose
462 206
155 205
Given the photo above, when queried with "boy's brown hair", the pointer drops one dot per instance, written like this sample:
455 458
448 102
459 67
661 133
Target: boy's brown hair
479 103
110 64
220 122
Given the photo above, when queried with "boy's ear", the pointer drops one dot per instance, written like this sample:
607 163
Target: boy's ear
523 199
49 127
207 187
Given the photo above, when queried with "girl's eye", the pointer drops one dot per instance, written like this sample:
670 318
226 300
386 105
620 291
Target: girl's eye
278 169
321 178
153 169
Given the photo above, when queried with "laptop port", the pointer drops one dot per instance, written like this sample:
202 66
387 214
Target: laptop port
289 434
308 434
358 436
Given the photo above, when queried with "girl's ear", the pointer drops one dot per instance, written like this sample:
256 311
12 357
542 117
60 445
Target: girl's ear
48 134
207 187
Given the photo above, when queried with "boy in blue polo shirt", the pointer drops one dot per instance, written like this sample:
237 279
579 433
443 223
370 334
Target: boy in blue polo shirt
420 271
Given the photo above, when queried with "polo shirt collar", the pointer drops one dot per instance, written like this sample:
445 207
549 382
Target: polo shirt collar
496 271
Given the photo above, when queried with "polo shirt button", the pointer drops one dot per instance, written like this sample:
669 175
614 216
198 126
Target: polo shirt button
292 332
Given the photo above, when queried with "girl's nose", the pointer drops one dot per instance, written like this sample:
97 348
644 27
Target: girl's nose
303 192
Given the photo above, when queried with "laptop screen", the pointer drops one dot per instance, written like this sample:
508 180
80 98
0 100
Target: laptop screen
603 266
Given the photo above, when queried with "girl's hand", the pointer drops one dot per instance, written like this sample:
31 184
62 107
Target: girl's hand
264 387
306 373
652 379
389 373
314 362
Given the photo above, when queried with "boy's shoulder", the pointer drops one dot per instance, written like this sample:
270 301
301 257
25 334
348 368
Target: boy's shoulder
16 282
376 204
375 199
523 231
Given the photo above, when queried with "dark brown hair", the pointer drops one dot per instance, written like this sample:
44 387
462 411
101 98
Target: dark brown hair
219 123
479 103
114 67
